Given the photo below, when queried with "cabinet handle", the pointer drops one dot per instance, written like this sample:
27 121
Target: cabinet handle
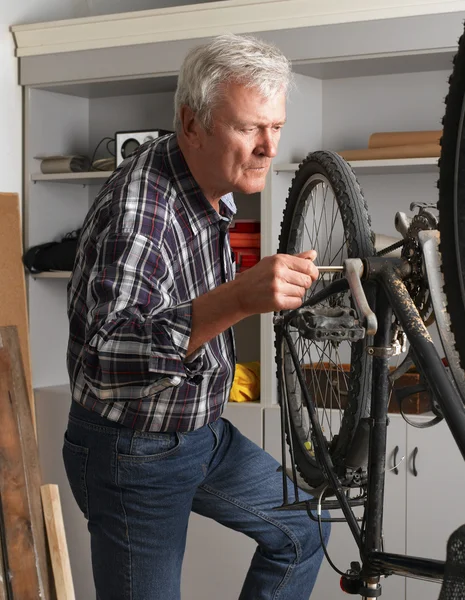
414 461
395 452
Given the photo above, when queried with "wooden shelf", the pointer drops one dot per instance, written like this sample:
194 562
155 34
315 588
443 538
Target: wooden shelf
51 275
378 167
88 178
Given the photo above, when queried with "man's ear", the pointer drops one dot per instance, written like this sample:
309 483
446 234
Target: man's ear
190 127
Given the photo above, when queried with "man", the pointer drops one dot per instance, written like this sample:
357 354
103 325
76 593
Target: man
151 355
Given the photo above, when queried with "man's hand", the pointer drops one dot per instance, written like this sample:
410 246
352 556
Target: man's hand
277 282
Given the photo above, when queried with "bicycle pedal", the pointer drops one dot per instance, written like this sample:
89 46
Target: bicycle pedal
328 323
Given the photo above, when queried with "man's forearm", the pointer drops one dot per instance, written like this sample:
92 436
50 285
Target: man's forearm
277 282
213 313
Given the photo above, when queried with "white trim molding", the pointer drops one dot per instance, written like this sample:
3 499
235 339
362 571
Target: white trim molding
214 18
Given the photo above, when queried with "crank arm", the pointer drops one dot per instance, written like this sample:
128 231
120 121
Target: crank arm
353 271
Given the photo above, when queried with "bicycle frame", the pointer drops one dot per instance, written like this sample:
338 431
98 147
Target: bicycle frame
391 297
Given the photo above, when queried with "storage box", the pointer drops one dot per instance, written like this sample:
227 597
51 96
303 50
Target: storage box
244 236
246 258
244 240
245 226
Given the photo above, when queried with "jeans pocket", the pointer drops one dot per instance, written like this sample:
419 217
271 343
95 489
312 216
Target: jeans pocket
147 447
216 429
75 459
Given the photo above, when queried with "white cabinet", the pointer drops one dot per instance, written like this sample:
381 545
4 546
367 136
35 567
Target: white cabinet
435 498
420 511
342 548
216 559
52 409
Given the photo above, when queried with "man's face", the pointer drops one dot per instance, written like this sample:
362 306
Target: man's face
243 139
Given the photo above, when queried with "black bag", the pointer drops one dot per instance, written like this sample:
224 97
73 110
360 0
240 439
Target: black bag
53 256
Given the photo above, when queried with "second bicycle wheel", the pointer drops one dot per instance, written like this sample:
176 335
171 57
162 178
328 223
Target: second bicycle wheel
452 219
325 211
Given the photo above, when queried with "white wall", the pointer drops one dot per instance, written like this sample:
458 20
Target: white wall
32 11
355 108
10 114
21 11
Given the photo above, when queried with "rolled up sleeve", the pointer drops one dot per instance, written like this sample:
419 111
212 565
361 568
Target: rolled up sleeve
137 331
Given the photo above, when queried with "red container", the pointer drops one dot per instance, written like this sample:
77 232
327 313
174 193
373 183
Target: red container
246 258
245 226
244 240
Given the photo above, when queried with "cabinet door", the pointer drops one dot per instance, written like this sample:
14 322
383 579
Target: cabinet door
342 548
395 502
217 558
52 408
435 498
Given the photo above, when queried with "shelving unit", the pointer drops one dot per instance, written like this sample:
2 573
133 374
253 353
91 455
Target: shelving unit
87 178
51 275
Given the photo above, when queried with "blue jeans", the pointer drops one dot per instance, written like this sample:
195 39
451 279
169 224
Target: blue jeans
137 490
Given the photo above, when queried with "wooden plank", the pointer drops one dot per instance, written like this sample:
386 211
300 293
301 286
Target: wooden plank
57 542
5 588
13 308
29 570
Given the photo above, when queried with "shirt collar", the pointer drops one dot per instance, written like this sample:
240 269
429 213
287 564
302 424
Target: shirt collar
200 212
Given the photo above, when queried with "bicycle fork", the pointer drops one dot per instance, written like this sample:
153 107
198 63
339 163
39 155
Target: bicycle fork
392 297
372 432
378 422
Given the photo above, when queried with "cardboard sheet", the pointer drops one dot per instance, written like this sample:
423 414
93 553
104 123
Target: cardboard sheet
413 151
384 139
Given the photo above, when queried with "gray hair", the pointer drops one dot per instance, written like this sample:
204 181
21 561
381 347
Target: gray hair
228 58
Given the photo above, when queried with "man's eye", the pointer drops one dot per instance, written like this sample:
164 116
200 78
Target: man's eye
248 129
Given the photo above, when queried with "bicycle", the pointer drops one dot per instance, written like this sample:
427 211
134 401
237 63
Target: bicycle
361 312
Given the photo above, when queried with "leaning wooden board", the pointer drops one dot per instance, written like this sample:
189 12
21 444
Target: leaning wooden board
24 548
57 542
13 310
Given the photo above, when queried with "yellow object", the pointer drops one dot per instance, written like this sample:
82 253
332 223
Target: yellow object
246 384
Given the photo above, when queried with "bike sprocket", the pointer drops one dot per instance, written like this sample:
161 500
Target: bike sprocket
417 284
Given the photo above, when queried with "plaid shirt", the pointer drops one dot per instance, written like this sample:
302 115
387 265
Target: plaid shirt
150 244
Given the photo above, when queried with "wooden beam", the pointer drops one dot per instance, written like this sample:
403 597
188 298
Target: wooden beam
5 587
13 307
29 570
57 542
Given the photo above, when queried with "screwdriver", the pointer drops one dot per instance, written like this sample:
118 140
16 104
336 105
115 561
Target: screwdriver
330 269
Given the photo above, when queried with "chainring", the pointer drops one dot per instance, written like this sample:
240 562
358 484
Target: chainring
417 284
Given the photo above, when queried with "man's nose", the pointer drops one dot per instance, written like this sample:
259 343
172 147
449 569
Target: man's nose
268 145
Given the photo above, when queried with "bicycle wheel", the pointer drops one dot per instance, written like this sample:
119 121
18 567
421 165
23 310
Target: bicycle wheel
452 204
325 210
